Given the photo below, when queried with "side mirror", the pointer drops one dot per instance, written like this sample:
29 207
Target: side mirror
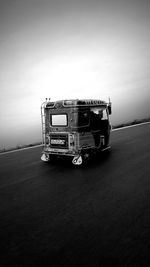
109 109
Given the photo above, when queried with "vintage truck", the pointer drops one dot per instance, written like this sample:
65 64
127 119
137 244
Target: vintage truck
75 128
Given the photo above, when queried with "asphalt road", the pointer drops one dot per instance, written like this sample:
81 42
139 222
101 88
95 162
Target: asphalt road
61 215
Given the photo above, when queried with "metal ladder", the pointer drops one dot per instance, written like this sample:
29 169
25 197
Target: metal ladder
43 122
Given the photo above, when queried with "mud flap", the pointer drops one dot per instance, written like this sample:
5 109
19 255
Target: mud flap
45 157
77 160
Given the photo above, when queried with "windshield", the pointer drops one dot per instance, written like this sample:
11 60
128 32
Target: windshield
59 120
99 112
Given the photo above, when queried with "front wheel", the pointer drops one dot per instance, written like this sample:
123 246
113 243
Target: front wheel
45 157
77 160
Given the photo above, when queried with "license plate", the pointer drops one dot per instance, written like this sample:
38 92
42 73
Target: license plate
57 142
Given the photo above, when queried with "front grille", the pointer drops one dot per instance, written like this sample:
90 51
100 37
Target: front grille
59 140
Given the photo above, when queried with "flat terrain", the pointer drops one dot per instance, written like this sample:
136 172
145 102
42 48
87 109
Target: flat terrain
61 215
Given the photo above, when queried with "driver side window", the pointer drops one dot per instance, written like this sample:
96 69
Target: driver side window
97 116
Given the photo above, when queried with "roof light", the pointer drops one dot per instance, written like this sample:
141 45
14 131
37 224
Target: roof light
68 102
50 104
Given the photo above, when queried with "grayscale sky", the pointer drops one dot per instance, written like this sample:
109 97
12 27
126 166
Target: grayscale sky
71 49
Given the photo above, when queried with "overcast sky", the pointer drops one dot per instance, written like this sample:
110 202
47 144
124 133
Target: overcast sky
71 49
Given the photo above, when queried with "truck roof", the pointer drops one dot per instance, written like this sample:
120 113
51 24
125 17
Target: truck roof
74 103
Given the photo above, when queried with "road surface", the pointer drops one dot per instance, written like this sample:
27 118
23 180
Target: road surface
61 215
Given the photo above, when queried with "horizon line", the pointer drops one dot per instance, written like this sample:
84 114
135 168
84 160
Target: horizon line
113 130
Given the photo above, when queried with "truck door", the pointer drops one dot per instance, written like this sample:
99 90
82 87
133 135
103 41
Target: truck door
99 122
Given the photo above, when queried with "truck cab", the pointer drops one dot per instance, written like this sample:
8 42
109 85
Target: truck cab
75 128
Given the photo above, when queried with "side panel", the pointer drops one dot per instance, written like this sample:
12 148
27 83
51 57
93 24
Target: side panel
94 140
86 139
